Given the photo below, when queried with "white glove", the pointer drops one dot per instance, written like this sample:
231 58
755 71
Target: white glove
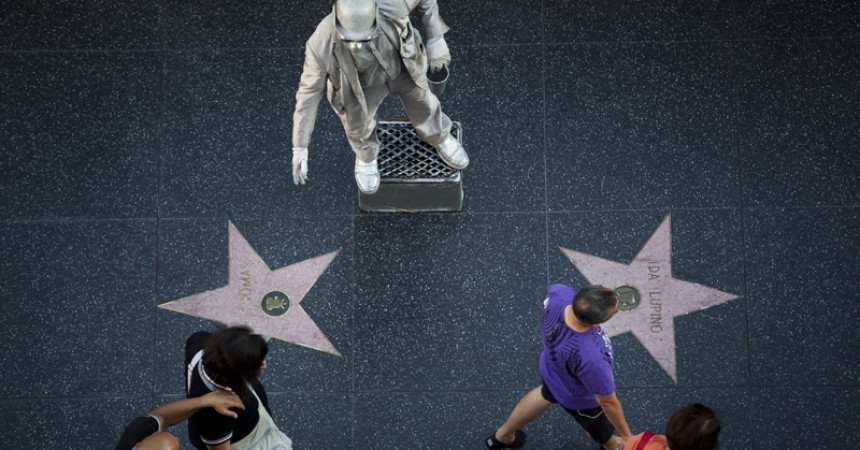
300 165
439 54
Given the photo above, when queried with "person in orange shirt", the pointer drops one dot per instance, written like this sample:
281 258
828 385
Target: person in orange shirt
693 427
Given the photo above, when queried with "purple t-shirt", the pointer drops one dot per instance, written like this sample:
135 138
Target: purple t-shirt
574 365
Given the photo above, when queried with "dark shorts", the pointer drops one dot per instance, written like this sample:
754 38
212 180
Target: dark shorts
592 420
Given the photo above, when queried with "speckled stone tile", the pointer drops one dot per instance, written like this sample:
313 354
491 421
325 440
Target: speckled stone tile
193 258
317 419
78 24
227 140
640 126
449 420
234 24
77 315
501 126
78 133
660 20
798 111
793 19
802 417
448 301
82 422
482 22
801 282
706 249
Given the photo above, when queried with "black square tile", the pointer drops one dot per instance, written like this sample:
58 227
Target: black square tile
798 111
640 126
804 416
90 422
801 285
193 258
449 420
227 140
77 315
448 301
79 134
79 24
486 22
793 19
317 420
659 20
237 24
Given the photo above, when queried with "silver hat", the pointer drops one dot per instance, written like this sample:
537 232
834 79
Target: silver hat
355 19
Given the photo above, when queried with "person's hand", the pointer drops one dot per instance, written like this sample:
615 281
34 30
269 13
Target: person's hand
300 165
439 54
222 401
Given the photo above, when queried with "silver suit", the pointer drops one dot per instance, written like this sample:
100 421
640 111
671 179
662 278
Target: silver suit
394 61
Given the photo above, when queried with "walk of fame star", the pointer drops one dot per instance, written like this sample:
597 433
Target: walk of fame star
269 301
650 297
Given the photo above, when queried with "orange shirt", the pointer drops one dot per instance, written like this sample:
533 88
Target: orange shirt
657 442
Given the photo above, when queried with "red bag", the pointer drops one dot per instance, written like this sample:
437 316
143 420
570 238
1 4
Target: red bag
646 436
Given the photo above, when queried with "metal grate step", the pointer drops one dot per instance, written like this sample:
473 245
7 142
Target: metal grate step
413 177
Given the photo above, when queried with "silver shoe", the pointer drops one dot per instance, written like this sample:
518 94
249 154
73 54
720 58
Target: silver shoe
367 176
453 153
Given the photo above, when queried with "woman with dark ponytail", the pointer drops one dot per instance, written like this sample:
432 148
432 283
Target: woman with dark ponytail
231 359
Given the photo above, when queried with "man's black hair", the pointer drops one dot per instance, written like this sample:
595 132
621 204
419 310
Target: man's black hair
591 304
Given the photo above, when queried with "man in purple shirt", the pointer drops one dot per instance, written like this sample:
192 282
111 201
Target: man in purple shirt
576 366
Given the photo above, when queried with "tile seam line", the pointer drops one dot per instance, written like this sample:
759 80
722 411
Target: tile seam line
741 211
354 217
471 213
621 389
499 44
705 41
720 208
546 208
159 147
81 50
460 391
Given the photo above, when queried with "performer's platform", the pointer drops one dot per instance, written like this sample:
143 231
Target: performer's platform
413 177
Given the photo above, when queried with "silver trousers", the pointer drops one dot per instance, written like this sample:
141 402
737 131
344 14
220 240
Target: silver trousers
422 109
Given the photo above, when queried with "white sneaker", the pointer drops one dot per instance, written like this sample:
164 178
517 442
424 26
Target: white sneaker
452 153
367 176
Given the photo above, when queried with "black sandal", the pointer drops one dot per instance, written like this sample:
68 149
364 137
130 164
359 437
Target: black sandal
494 444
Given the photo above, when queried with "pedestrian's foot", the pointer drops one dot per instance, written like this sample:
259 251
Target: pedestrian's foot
494 443
367 176
453 153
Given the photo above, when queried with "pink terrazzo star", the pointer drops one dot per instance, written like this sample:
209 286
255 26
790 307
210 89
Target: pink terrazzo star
662 298
269 301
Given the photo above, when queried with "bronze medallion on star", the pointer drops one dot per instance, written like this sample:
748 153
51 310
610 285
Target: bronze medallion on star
269 301
649 297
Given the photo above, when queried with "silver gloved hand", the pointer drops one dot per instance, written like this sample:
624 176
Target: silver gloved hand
300 165
439 55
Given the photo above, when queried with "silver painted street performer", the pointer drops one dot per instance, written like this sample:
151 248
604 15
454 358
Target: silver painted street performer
358 54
